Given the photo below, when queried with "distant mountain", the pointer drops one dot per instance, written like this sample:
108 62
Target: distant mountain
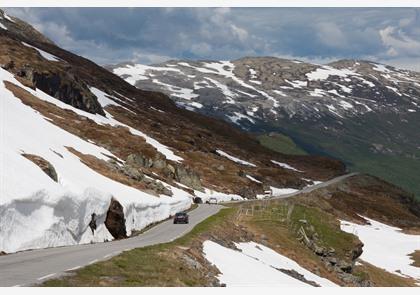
364 113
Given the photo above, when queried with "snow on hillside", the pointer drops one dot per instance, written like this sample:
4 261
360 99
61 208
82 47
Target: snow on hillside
386 246
44 54
306 92
37 212
286 166
256 265
219 196
137 72
234 159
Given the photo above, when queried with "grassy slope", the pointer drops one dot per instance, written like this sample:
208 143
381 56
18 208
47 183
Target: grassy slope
162 265
281 143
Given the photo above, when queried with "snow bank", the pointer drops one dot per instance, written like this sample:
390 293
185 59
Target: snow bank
386 246
220 197
44 54
234 159
250 268
286 166
37 212
282 191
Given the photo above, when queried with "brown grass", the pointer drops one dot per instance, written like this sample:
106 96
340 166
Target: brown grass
381 278
416 257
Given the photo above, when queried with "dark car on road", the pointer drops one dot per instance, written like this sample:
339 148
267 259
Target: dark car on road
181 217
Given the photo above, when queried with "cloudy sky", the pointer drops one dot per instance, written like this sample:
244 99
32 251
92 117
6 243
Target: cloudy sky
152 35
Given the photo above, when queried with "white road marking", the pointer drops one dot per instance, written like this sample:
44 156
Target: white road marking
45 277
106 256
74 268
93 261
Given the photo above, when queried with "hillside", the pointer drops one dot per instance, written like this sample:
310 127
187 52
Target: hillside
76 135
363 113
86 158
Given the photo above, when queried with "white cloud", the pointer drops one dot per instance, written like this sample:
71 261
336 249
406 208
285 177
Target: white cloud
331 35
398 43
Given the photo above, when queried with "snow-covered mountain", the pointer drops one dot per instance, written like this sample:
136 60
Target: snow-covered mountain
362 112
264 88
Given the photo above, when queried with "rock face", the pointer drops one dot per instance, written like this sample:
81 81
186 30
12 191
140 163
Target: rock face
178 172
343 267
115 220
188 177
44 165
69 90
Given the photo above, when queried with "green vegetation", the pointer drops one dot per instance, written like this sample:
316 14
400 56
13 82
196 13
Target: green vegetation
384 146
156 265
280 143
291 217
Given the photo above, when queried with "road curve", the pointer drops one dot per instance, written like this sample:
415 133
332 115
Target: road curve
311 188
32 267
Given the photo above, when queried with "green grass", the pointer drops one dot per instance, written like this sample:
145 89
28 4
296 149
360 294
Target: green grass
149 266
282 215
353 142
280 143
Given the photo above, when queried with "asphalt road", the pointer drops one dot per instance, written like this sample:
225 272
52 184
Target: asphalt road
315 187
32 267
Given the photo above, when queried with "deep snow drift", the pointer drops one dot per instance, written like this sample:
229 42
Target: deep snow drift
257 265
35 211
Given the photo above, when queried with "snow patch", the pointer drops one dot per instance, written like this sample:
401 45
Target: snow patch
282 191
236 117
253 179
255 266
324 72
234 159
44 54
286 166
386 246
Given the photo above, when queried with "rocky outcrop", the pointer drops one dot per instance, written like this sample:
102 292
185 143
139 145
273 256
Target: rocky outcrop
188 177
135 173
44 165
69 89
343 267
247 193
139 160
115 220
64 86
178 172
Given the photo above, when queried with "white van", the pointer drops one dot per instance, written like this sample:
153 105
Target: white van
212 201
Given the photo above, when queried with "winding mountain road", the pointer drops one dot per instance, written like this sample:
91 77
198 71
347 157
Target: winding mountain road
311 188
33 267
